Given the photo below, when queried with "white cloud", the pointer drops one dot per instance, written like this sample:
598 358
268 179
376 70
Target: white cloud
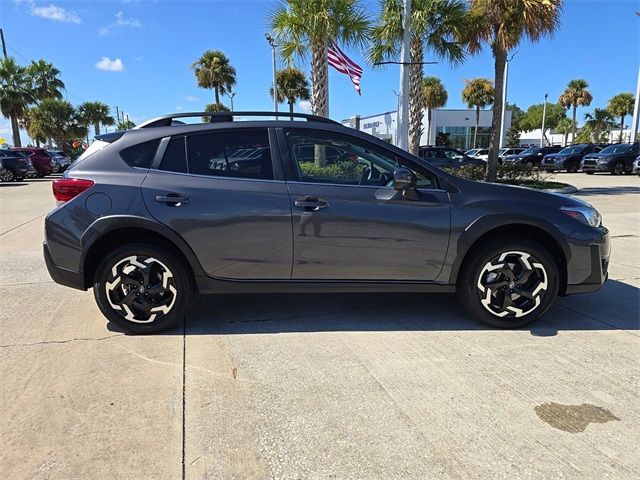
305 106
178 107
190 98
119 25
109 65
51 12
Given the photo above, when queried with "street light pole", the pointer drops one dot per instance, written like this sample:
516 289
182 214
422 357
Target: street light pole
544 117
403 123
231 95
504 99
636 111
273 44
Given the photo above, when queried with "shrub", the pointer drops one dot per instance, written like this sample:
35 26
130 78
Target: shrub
511 174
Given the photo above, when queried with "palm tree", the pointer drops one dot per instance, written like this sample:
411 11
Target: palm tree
478 93
599 123
434 96
45 79
214 107
15 94
575 95
214 70
564 127
125 124
436 26
96 114
300 26
292 86
621 105
57 119
502 24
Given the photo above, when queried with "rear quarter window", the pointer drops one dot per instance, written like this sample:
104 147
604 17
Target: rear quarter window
140 155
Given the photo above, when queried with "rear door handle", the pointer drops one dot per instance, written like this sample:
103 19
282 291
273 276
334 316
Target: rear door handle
172 199
311 203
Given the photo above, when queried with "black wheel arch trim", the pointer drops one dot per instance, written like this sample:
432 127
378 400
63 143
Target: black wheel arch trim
486 224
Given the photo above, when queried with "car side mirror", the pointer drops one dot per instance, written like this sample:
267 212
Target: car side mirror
403 179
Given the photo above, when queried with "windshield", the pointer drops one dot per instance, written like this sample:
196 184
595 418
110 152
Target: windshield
530 150
572 149
616 148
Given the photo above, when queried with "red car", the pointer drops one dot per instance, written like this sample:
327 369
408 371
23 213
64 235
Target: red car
42 160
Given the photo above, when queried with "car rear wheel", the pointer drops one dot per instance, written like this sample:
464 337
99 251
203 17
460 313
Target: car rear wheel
573 167
143 288
589 172
7 175
509 283
618 168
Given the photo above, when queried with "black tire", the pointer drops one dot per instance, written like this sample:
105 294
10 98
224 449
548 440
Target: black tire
573 167
538 292
618 169
9 176
529 164
124 294
590 173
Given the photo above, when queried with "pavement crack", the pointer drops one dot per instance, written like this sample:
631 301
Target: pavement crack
61 342
21 225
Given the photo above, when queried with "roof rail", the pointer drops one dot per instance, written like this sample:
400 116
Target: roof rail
167 120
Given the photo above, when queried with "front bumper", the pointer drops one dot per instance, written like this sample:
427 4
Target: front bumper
587 267
599 167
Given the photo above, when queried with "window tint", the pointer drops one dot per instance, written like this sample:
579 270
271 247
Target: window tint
239 154
140 155
175 157
337 159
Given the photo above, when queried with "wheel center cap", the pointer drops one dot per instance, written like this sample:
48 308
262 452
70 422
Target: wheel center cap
141 289
511 285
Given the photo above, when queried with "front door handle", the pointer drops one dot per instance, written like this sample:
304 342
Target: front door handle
311 204
172 199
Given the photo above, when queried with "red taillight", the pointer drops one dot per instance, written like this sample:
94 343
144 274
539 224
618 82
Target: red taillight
65 189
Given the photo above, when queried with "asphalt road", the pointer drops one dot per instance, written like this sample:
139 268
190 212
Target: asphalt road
318 386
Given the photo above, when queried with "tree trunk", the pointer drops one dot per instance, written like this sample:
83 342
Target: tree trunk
217 96
415 94
97 128
291 102
475 132
573 126
16 131
622 127
319 79
429 126
500 57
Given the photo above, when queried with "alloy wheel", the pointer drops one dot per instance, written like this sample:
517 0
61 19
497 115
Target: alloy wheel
141 289
7 176
512 284
618 169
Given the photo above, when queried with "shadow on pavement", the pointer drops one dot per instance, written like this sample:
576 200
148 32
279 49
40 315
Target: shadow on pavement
615 307
12 184
607 190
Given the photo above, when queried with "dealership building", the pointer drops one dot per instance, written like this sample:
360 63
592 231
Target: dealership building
455 125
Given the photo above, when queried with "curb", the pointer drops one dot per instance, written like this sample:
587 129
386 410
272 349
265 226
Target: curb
567 189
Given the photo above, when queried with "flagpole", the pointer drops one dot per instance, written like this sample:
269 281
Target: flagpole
272 42
403 117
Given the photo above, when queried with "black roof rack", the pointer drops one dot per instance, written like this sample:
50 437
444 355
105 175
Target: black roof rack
167 120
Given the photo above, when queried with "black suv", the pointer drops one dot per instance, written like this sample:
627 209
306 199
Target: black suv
532 156
442 156
617 159
569 158
17 166
152 216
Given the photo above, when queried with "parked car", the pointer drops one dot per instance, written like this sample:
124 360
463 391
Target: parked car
442 156
481 153
504 152
62 160
16 166
636 165
532 156
569 158
152 216
42 161
616 159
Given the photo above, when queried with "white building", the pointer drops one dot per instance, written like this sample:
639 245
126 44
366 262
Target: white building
456 126
533 137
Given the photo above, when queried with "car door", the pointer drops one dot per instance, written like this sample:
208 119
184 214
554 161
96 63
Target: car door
219 190
348 221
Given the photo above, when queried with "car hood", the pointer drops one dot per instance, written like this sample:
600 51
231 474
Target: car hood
599 155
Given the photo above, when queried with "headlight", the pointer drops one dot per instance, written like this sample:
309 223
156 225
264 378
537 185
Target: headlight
604 160
586 215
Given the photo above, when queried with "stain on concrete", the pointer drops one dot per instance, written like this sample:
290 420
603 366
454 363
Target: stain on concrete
573 418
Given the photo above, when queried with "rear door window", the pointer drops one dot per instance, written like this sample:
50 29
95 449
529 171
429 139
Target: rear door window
175 156
242 153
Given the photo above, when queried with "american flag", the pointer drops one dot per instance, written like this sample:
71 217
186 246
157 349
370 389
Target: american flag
342 63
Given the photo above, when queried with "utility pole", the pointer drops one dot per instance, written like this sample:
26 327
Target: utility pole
4 46
231 95
544 117
504 100
273 44
403 123
636 111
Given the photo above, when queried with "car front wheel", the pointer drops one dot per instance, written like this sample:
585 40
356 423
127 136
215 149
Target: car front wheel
7 175
143 288
509 283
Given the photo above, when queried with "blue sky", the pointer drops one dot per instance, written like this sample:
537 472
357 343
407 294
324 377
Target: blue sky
136 54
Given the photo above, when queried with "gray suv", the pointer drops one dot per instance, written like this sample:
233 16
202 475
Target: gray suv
153 216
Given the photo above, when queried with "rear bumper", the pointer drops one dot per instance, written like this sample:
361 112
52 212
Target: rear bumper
68 278
587 269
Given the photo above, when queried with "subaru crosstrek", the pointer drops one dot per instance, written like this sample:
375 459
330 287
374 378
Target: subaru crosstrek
153 216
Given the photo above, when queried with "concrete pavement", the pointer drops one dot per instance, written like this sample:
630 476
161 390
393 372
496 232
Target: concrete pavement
318 386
